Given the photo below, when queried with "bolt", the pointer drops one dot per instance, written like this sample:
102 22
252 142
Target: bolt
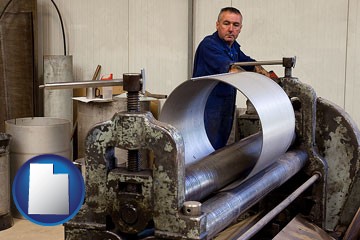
129 214
192 208
133 85
133 161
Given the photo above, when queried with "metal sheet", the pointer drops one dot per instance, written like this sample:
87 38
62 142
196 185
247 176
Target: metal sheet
184 109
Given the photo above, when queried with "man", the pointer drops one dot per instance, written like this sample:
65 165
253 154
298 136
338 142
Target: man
214 55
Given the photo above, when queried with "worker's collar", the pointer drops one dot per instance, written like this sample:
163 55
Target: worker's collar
216 35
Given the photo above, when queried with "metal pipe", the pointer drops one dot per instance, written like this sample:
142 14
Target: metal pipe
287 62
274 212
222 167
82 84
226 206
271 62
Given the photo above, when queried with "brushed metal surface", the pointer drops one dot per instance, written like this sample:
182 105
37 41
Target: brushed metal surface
222 167
184 109
58 104
226 206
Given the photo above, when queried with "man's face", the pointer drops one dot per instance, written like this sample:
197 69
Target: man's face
229 26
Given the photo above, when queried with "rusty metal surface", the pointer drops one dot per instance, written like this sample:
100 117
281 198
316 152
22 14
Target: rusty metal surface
338 141
132 82
304 98
93 113
160 199
86 234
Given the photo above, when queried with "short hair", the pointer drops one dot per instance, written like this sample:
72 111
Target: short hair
229 9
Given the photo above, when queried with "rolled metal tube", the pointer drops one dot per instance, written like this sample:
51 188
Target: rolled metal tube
82 84
185 106
226 206
268 217
222 167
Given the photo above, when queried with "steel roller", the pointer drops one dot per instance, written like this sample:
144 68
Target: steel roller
211 174
184 109
227 206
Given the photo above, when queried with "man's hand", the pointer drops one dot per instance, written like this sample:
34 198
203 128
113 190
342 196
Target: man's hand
261 70
271 74
258 69
236 69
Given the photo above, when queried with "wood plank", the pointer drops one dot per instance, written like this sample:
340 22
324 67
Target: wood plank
301 229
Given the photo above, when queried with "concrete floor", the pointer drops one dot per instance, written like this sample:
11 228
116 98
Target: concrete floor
24 229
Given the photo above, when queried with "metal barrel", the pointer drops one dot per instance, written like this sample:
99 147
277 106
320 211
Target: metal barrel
227 205
222 167
35 136
5 216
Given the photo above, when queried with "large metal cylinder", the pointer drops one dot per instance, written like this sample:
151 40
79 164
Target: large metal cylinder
35 136
5 217
185 106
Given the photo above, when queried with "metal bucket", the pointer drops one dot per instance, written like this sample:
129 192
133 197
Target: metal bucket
6 220
35 136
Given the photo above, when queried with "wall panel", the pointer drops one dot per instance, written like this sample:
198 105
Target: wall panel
158 42
352 97
205 16
121 36
306 29
95 34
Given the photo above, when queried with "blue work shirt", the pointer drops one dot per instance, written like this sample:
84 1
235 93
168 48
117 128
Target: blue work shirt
214 56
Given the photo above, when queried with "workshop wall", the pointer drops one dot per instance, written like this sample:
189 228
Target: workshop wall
122 36
127 35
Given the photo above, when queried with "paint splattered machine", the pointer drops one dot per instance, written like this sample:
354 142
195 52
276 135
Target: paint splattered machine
292 170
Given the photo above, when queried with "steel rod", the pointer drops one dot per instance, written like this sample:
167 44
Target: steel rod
270 62
274 212
82 84
227 206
